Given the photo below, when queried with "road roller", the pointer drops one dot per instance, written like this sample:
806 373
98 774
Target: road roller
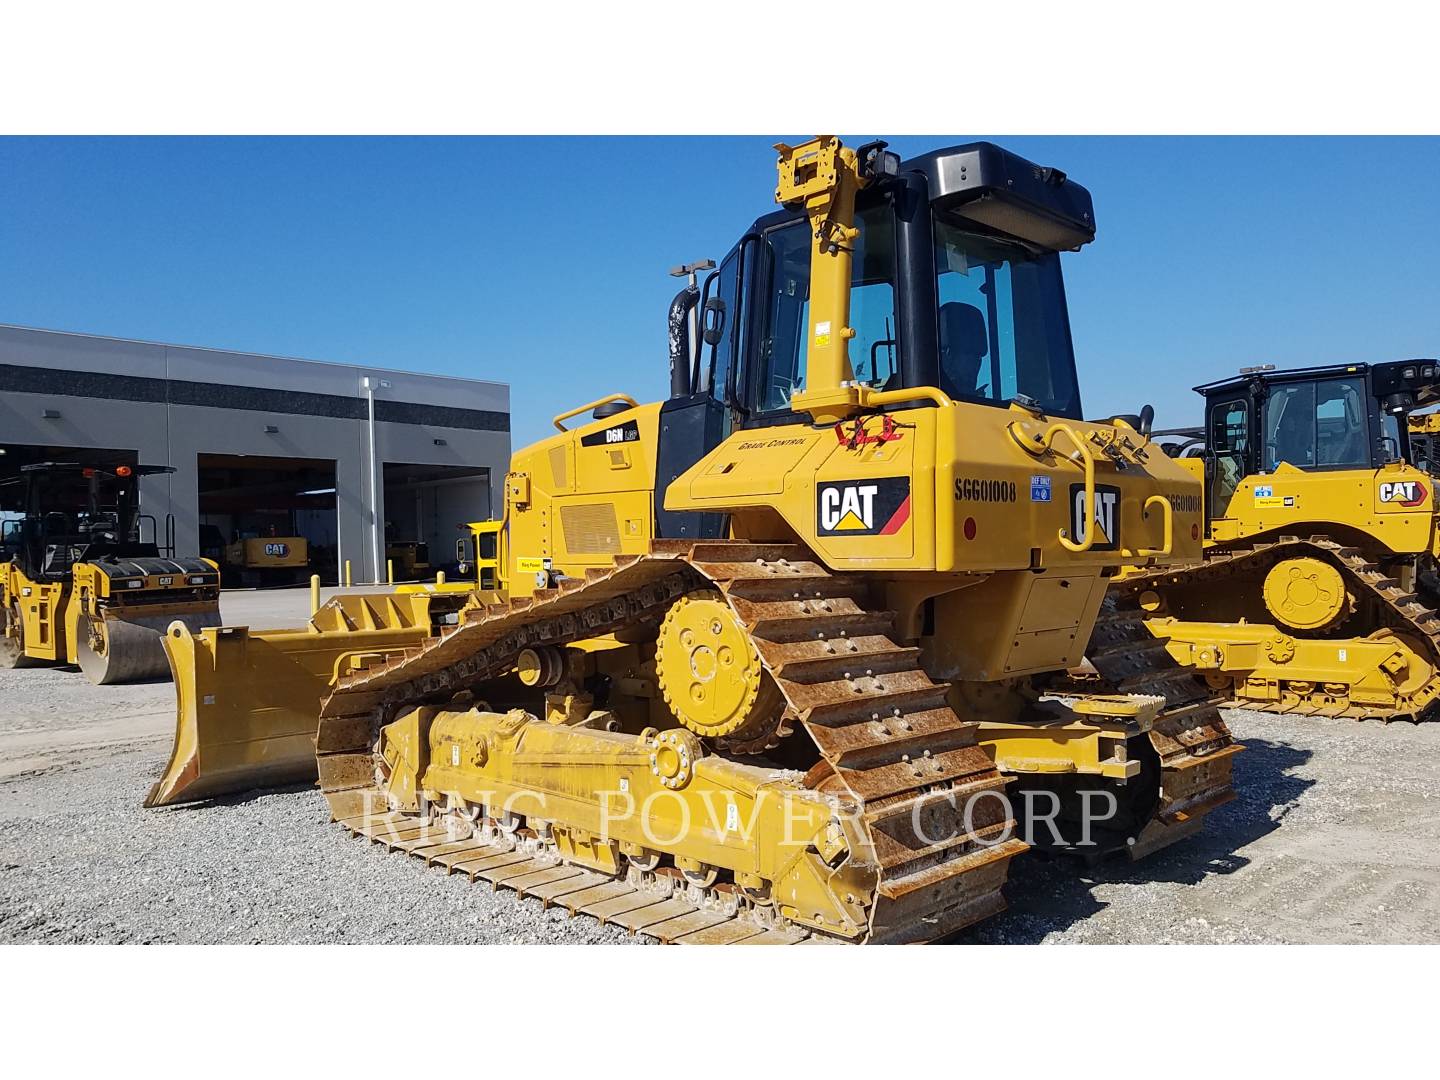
80 585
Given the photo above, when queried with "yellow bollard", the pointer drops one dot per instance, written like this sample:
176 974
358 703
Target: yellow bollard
314 593
347 573
390 571
440 578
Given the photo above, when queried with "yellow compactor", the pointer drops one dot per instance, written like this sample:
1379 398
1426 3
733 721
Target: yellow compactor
78 585
759 664
1317 592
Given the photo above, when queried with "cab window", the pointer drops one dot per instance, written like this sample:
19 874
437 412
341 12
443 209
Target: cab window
1317 425
781 352
1004 329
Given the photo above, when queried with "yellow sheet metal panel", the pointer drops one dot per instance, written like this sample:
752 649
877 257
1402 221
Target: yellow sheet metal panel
35 611
898 503
579 498
1393 506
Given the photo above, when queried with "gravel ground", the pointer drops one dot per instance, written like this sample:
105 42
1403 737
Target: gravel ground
1335 837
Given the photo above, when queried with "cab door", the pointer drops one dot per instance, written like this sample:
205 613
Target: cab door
690 427
1229 438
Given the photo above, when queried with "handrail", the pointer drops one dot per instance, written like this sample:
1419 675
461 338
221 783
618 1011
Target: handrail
1043 444
1169 534
593 405
908 393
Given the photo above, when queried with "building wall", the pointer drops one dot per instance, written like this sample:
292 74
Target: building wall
244 394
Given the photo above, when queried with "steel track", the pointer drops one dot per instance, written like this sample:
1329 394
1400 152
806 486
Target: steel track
889 743
1393 608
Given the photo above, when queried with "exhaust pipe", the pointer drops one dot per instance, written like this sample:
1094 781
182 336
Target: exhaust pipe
680 344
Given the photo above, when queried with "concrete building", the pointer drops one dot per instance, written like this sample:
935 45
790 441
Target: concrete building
263 445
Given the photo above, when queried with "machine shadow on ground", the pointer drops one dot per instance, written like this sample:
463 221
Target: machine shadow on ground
241 798
1049 894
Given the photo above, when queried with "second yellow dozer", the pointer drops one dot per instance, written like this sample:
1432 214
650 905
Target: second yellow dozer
1317 591
761 659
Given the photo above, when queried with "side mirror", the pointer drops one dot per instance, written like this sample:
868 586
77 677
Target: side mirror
462 550
714 320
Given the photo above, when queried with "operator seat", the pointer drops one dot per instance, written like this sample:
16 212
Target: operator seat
963 344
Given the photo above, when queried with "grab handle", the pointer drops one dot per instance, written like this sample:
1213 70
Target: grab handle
1169 518
1044 442
626 398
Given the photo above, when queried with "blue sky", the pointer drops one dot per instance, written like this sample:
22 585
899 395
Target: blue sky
542 262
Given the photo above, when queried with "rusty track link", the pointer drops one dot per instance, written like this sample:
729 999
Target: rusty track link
1190 736
889 742
1394 608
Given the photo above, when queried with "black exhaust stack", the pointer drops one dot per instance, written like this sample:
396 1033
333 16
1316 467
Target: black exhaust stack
680 345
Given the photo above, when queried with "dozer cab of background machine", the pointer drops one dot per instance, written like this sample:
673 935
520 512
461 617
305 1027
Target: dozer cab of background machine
787 617
82 586
1316 589
1423 429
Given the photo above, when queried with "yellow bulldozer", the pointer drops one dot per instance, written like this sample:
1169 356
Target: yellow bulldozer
78 584
1316 594
759 664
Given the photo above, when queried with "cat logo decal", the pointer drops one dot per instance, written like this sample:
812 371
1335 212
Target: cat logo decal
878 507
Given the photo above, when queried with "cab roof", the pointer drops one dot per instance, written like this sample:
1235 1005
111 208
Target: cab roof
999 191
1397 372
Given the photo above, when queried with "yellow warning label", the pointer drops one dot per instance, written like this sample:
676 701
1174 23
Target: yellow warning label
1269 502
529 564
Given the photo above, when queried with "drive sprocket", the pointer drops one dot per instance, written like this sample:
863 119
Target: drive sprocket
710 673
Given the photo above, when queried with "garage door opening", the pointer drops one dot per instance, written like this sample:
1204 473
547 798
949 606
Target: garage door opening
268 521
427 512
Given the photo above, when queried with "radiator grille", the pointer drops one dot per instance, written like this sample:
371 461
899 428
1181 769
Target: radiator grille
590 529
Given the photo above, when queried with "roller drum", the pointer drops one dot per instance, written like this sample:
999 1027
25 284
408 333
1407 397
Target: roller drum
132 648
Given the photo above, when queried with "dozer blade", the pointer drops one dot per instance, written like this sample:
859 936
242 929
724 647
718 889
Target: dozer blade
132 646
247 702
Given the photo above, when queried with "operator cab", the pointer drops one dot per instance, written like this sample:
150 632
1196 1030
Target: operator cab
955 284
75 513
1318 419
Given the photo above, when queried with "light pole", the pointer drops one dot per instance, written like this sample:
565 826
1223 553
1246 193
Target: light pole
370 386
691 270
